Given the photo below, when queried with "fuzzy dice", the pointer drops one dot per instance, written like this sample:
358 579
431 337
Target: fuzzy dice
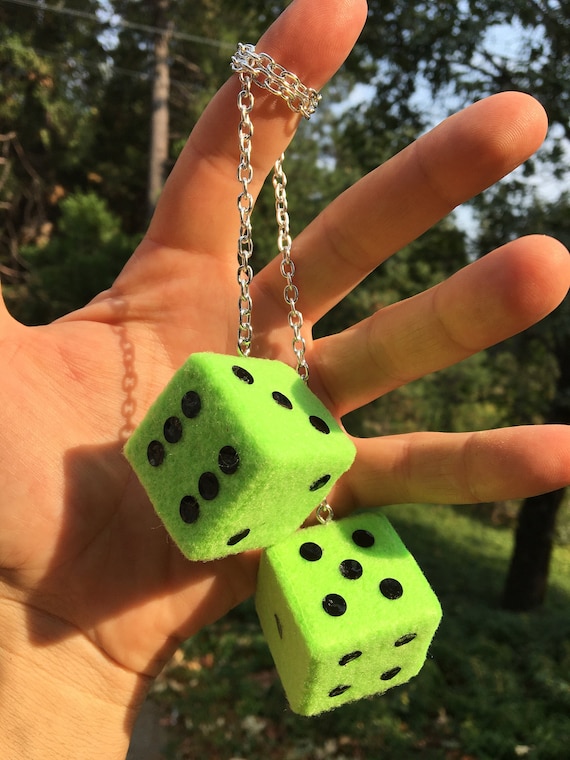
235 454
346 612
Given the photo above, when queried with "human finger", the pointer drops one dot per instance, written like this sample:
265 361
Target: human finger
197 209
456 468
404 197
486 302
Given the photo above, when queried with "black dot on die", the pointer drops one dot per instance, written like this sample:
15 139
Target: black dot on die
191 404
338 690
363 538
319 483
173 430
319 424
228 460
334 605
155 453
189 509
242 374
350 657
389 674
279 626
351 569
310 551
391 588
405 639
238 537
208 486
282 400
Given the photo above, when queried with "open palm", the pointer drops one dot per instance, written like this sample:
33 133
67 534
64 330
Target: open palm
82 552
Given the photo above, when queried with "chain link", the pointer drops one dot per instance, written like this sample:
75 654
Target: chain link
270 75
245 208
324 513
284 242
265 72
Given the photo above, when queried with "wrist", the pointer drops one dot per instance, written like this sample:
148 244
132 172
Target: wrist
61 697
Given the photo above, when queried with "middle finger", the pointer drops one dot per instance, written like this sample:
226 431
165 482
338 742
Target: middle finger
484 303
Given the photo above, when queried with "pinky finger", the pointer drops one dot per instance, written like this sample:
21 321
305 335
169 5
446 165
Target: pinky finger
456 468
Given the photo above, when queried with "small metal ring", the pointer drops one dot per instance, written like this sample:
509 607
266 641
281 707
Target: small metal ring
325 513
271 76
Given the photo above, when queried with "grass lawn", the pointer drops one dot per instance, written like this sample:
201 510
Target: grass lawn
496 685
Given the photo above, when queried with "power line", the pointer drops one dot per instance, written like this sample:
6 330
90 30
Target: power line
122 23
88 63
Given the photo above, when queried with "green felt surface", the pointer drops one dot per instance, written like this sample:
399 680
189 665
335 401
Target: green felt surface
308 644
281 454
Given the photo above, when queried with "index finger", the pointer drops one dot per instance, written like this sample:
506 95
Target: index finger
197 208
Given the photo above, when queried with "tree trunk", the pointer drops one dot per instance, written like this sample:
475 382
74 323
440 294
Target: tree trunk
527 579
159 128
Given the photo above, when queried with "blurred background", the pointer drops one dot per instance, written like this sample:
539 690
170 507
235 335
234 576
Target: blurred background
96 100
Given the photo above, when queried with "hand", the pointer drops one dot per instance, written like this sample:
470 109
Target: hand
93 597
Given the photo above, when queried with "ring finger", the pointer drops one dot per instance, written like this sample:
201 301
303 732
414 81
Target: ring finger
488 301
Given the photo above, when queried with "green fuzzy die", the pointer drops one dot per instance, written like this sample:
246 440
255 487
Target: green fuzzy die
346 611
236 453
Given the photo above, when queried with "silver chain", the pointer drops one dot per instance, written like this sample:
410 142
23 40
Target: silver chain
245 207
284 242
270 75
266 73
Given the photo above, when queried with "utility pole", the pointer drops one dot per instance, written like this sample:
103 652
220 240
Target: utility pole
160 111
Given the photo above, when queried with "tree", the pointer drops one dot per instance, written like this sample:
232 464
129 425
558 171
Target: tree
450 48
49 80
77 263
417 53
160 110
540 378
76 107
167 61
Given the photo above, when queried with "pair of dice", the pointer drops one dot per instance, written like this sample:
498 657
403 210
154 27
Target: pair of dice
234 455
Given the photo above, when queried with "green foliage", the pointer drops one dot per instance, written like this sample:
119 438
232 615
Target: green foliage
447 48
49 80
82 258
495 683
533 369
46 87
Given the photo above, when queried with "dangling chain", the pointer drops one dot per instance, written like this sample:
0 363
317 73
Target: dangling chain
245 207
265 72
284 242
